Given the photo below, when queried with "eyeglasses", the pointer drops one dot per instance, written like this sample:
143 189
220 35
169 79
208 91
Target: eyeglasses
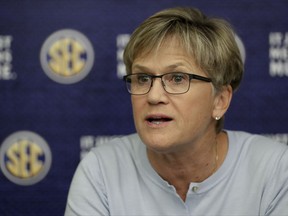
173 83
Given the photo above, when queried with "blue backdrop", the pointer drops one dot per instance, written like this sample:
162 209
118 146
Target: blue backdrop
61 91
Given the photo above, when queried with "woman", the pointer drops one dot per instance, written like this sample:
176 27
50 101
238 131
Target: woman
182 70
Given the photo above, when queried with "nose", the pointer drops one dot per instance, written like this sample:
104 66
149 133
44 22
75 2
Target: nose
157 93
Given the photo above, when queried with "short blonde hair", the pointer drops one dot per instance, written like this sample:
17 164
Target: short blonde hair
211 42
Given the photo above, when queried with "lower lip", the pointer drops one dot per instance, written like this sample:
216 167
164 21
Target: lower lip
159 124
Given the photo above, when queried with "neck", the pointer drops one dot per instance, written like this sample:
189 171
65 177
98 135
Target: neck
180 169
194 166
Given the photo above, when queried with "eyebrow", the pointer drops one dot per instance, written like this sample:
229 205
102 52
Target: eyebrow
137 66
144 68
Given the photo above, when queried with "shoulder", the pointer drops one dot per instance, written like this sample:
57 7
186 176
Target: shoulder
258 153
118 146
98 175
114 153
255 142
261 163
267 162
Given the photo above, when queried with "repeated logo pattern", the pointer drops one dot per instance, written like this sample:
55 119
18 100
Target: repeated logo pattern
67 56
25 158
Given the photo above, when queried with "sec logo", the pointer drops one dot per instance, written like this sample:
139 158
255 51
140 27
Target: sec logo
67 56
25 158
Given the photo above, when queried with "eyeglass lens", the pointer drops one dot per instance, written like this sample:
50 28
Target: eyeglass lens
174 83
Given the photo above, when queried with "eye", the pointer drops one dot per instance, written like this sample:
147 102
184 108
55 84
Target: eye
177 78
143 78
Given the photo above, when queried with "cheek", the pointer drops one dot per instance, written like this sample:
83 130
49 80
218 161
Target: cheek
135 104
195 112
137 108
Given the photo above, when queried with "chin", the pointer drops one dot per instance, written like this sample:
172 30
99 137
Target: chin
159 140
159 145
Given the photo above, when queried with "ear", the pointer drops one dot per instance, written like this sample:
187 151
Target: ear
222 102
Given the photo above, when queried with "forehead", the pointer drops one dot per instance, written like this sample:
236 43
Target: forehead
168 42
170 52
167 46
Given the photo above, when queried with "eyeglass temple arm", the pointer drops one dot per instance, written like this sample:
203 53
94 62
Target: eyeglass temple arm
205 79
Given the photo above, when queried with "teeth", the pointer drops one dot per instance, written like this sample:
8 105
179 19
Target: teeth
156 122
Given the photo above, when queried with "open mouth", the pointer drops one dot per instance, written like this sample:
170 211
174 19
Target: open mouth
158 119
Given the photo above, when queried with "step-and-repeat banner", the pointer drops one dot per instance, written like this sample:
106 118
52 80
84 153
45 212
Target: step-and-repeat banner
61 91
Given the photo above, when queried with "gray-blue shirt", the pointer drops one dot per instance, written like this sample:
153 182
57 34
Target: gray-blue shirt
117 179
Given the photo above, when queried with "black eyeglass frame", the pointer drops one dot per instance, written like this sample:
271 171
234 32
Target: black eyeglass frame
191 76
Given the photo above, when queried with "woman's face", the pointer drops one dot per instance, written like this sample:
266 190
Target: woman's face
166 122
